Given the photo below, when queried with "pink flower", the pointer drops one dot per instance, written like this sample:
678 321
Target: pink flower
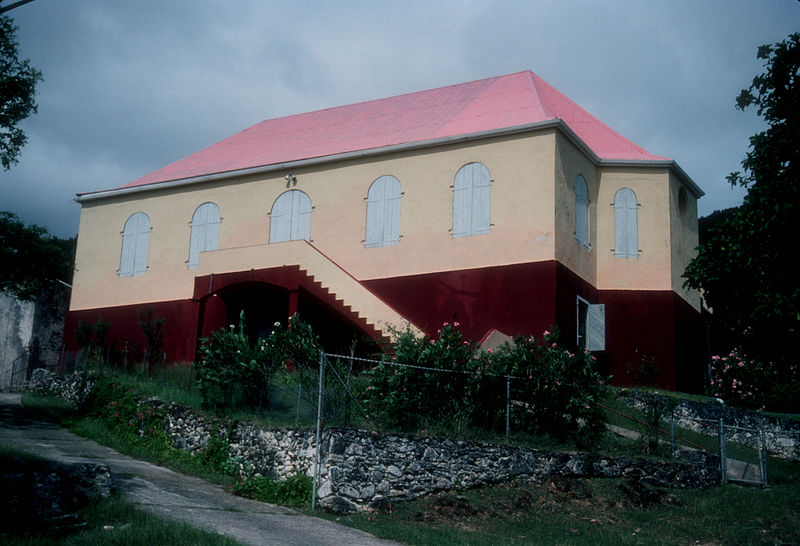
586 406
490 351
546 333
445 324
456 324
554 345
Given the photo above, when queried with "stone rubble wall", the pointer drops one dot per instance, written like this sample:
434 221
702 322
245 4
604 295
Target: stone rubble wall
360 469
34 491
782 436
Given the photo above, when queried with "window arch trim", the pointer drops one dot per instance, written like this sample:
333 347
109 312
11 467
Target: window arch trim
472 200
290 217
582 211
135 240
383 212
204 235
626 220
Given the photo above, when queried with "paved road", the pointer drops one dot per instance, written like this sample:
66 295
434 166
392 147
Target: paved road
171 494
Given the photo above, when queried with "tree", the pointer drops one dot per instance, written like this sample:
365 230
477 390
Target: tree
18 81
31 258
745 267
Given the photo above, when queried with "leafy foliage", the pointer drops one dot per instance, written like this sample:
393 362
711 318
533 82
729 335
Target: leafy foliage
559 391
18 81
293 491
753 384
553 390
437 391
235 371
31 259
744 267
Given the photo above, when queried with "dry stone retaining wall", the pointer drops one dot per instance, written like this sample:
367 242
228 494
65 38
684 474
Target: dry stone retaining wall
360 469
782 436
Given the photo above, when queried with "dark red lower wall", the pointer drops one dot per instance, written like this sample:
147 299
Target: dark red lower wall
180 325
657 328
514 299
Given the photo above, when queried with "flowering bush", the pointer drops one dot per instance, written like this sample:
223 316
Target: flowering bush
235 371
406 398
750 383
454 384
557 391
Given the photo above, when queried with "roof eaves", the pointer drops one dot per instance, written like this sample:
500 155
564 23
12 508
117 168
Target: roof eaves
666 163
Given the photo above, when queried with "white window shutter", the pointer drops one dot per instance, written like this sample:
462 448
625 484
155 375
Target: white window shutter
596 327
205 232
135 237
290 218
391 228
582 211
142 240
213 221
280 218
471 200
376 205
481 199
462 203
128 253
626 237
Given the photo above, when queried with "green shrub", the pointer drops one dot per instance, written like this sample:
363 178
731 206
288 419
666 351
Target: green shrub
293 491
750 383
558 391
406 398
453 385
235 371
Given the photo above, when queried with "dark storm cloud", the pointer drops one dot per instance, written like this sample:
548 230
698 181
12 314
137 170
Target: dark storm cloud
132 86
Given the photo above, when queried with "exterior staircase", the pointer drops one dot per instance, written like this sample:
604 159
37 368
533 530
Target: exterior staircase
323 277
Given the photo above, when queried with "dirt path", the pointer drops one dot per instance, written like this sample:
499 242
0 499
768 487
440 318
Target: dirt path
171 494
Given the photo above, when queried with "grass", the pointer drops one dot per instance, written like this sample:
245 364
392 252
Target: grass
554 511
594 511
113 521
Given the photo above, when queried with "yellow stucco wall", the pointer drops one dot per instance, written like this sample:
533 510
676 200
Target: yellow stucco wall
684 236
522 218
652 269
532 219
571 162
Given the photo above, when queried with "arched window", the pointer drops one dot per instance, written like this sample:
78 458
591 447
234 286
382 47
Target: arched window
582 211
383 212
471 200
290 217
135 236
205 232
626 230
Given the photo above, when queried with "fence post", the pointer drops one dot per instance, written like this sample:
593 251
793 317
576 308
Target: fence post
299 392
723 460
762 455
508 406
319 420
672 431
163 367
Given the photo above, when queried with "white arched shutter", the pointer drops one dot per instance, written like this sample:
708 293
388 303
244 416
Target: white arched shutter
135 238
471 200
581 211
383 212
626 230
204 233
290 218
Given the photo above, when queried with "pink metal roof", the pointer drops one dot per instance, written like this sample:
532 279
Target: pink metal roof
484 105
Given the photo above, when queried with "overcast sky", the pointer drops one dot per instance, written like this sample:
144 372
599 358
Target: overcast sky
133 86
